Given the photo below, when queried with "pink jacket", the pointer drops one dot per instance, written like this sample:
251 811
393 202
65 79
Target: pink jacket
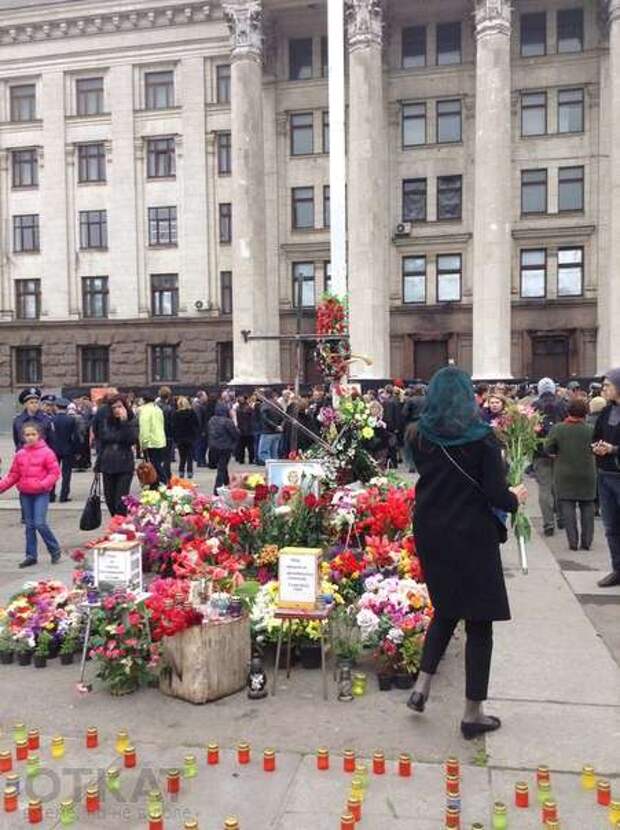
34 470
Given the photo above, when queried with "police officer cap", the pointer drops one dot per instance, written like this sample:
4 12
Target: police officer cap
30 394
62 403
48 399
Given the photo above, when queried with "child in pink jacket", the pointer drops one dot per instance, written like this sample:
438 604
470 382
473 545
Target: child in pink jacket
35 471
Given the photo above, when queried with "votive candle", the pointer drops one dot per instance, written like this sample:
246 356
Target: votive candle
33 766
156 821
10 799
93 802
549 811
35 811
542 774
21 750
603 792
522 795
269 760
129 756
213 754
6 761
113 779
348 760
92 737
453 818
190 766
58 747
173 781
453 766
588 778
614 812
500 816
354 806
122 741
33 740
378 763
347 821
19 732
404 765
243 752
322 759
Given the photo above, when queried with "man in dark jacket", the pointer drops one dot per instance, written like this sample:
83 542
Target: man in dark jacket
392 417
552 411
223 438
30 399
245 425
270 428
606 448
65 444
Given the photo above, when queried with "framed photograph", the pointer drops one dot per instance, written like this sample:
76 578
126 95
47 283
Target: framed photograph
306 475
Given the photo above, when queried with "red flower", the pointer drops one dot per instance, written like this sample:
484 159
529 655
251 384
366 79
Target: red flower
238 495
261 493
311 501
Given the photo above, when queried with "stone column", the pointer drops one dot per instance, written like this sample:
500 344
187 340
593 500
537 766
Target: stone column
368 214
256 362
609 285
492 198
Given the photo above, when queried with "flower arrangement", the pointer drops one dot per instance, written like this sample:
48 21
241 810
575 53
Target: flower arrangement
169 609
40 610
332 356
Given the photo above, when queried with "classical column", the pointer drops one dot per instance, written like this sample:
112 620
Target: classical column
609 285
256 362
493 201
368 214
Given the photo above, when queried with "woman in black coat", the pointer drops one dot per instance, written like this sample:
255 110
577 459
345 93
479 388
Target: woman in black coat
223 438
118 436
462 478
185 431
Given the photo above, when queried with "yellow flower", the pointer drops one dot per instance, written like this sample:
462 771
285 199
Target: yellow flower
368 432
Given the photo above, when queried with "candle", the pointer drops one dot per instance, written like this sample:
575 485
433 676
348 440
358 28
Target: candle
452 766
542 774
33 766
122 741
10 799
231 824
173 780
348 760
58 747
67 812
243 752
129 756
190 766
549 811
12 780
269 760
347 821
354 807
92 800
404 765
588 778
544 792
453 818
361 771
500 816
213 754
92 737
6 761
378 763
603 792
155 802
191 824
358 687
614 812
19 732
113 779
35 811
552 824
156 820
453 786
357 787
522 795
322 759
33 740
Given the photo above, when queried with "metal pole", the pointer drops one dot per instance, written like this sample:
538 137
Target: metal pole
337 147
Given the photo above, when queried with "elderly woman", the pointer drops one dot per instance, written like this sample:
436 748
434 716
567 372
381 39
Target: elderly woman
605 446
462 480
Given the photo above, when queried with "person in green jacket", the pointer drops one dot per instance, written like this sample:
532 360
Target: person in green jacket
153 435
574 472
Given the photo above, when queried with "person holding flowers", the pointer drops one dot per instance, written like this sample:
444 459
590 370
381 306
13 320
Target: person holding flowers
606 448
457 534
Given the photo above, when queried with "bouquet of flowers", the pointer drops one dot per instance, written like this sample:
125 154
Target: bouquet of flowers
169 609
332 356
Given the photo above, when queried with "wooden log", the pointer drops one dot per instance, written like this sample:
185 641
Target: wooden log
206 662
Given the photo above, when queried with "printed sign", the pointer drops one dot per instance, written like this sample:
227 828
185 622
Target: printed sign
119 565
298 576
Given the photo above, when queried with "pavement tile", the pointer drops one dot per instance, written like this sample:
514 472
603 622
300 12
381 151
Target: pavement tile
583 583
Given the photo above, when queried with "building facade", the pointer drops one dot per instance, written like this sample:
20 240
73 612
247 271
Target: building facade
164 187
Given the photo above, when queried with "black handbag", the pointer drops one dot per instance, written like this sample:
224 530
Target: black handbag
91 514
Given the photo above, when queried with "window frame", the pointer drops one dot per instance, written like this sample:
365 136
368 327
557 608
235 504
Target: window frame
223 81
18 165
524 17
578 11
408 34
223 146
574 180
305 279
327 206
528 107
20 228
16 98
22 295
225 358
91 359
300 66
439 272
443 27
156 154
158 221
153 89
531 185
86 158
404 184
327 276
84 97
298 202
523 268
224 216
161 354
408 117
566 266
570 105
90 295
442 189
89 221
226 292
414 275
159 292
325 131
303 129
20 352
439 116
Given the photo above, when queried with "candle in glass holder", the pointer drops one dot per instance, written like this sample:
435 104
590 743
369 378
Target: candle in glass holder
122 741
213 754
6 761
404 765
154 801
68 815
614 813
173 781
347 821
603 792
35 811
354 806
549 811
358 687
12 780
357 787
113 779
156 820
500 816
348 760
33 740
129 756
33 765
542 774
21 750
544 792
10 799
588 778
378 763
453 786
361 771
190 824
452 766
93 802
243 752
453 817
269 760
522 795
231 823
58 747
552 824
92 737
322 759
190 766
20 732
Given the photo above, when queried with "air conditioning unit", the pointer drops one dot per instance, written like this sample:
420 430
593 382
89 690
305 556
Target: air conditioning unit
403 229
200 305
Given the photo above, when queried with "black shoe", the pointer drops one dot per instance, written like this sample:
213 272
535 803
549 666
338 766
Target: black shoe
584 547
64 500
609 581
573 547
56 558
474 729
27 563
549 531
417 701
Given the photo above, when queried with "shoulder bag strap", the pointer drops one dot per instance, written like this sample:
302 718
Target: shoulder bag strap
463 472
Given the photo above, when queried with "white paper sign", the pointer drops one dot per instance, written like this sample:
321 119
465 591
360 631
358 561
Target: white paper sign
298 577
119 565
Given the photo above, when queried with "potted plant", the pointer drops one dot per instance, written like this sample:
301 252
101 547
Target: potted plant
409 664
385 673
7 647
42 650
68 647
23 650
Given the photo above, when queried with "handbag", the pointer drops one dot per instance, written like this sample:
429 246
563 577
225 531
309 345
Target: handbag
147 474
91 514
498 515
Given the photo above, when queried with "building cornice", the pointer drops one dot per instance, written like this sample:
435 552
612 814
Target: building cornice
554 232
125 20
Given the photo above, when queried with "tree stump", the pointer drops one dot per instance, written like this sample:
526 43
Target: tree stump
206 662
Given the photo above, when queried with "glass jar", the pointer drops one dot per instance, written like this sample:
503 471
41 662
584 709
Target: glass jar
404 765
6 761
378 763
122 741
173 781
452 766
588 778
603 792
92 737
453 786
542 774
322 759
544 791
614 813
549 811
269 760
360 682
190 766
129 757
347 821
10 800
213 754
522 795
361 771
33 740
68 814
113 779
354 806
453 818
35 811
243 752
357 787
231 823
33 766
13 780
93 802
20 732
500 816
156 820
21 750
58 747
154 802
348 761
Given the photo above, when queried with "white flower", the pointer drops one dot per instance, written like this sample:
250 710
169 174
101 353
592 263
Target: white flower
373 582
396 636
283 510
368 622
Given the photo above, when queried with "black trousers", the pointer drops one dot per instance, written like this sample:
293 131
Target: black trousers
115 486
66 467
246 442
186 459
478 650
568 512
221 459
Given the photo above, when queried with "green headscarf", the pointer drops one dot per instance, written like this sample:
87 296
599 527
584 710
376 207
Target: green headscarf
451 416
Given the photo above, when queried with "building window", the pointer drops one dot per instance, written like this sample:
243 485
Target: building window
414 279
95 364
89 96
23 102
303 284
413 46
302 134
570 272
163 225
534 273
448 43
91 162
449 123
28 368
26 233
27 299
164 363
570 189
570 30
222 74
533 191
164 295
449 197
93 229
326 206
533 34
326 131
25 165
570 111
303 207
324 57
300 59
225 221
95 297
226 295
414 125
159 90
533 113
224 362
449 268
327 276
224 154
161 158
414 200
